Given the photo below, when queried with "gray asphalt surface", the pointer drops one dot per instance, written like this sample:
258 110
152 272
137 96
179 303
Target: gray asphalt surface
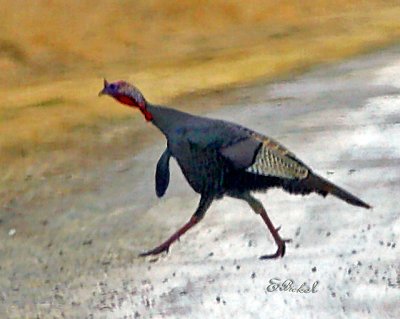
76 256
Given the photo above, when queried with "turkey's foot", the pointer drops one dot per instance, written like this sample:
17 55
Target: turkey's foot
156 251
280 252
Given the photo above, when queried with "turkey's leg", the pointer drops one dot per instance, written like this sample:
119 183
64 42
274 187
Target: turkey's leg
204 204
259 209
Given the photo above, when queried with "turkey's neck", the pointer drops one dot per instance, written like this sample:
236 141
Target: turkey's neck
166 119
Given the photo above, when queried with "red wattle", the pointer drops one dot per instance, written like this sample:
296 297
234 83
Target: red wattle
129 101
147 115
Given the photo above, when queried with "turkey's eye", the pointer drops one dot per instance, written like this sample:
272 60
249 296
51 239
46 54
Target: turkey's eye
112 86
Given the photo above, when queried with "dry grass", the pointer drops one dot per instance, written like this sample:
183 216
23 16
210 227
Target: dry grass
54 53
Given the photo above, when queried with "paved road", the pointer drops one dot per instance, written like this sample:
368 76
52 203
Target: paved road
342 120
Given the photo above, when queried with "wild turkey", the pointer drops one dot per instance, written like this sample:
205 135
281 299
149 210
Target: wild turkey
221 158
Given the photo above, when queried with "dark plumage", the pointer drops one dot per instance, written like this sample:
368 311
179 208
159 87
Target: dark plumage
221 158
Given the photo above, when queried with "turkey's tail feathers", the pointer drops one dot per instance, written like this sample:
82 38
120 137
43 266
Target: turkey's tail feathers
324 187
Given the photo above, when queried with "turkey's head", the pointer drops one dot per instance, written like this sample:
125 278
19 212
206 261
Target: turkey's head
127 94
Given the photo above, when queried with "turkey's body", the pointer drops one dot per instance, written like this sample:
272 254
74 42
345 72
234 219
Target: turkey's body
198 145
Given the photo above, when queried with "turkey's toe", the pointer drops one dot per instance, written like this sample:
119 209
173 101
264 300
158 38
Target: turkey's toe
156 251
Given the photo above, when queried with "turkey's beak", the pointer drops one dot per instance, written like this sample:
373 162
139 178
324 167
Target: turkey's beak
104 90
